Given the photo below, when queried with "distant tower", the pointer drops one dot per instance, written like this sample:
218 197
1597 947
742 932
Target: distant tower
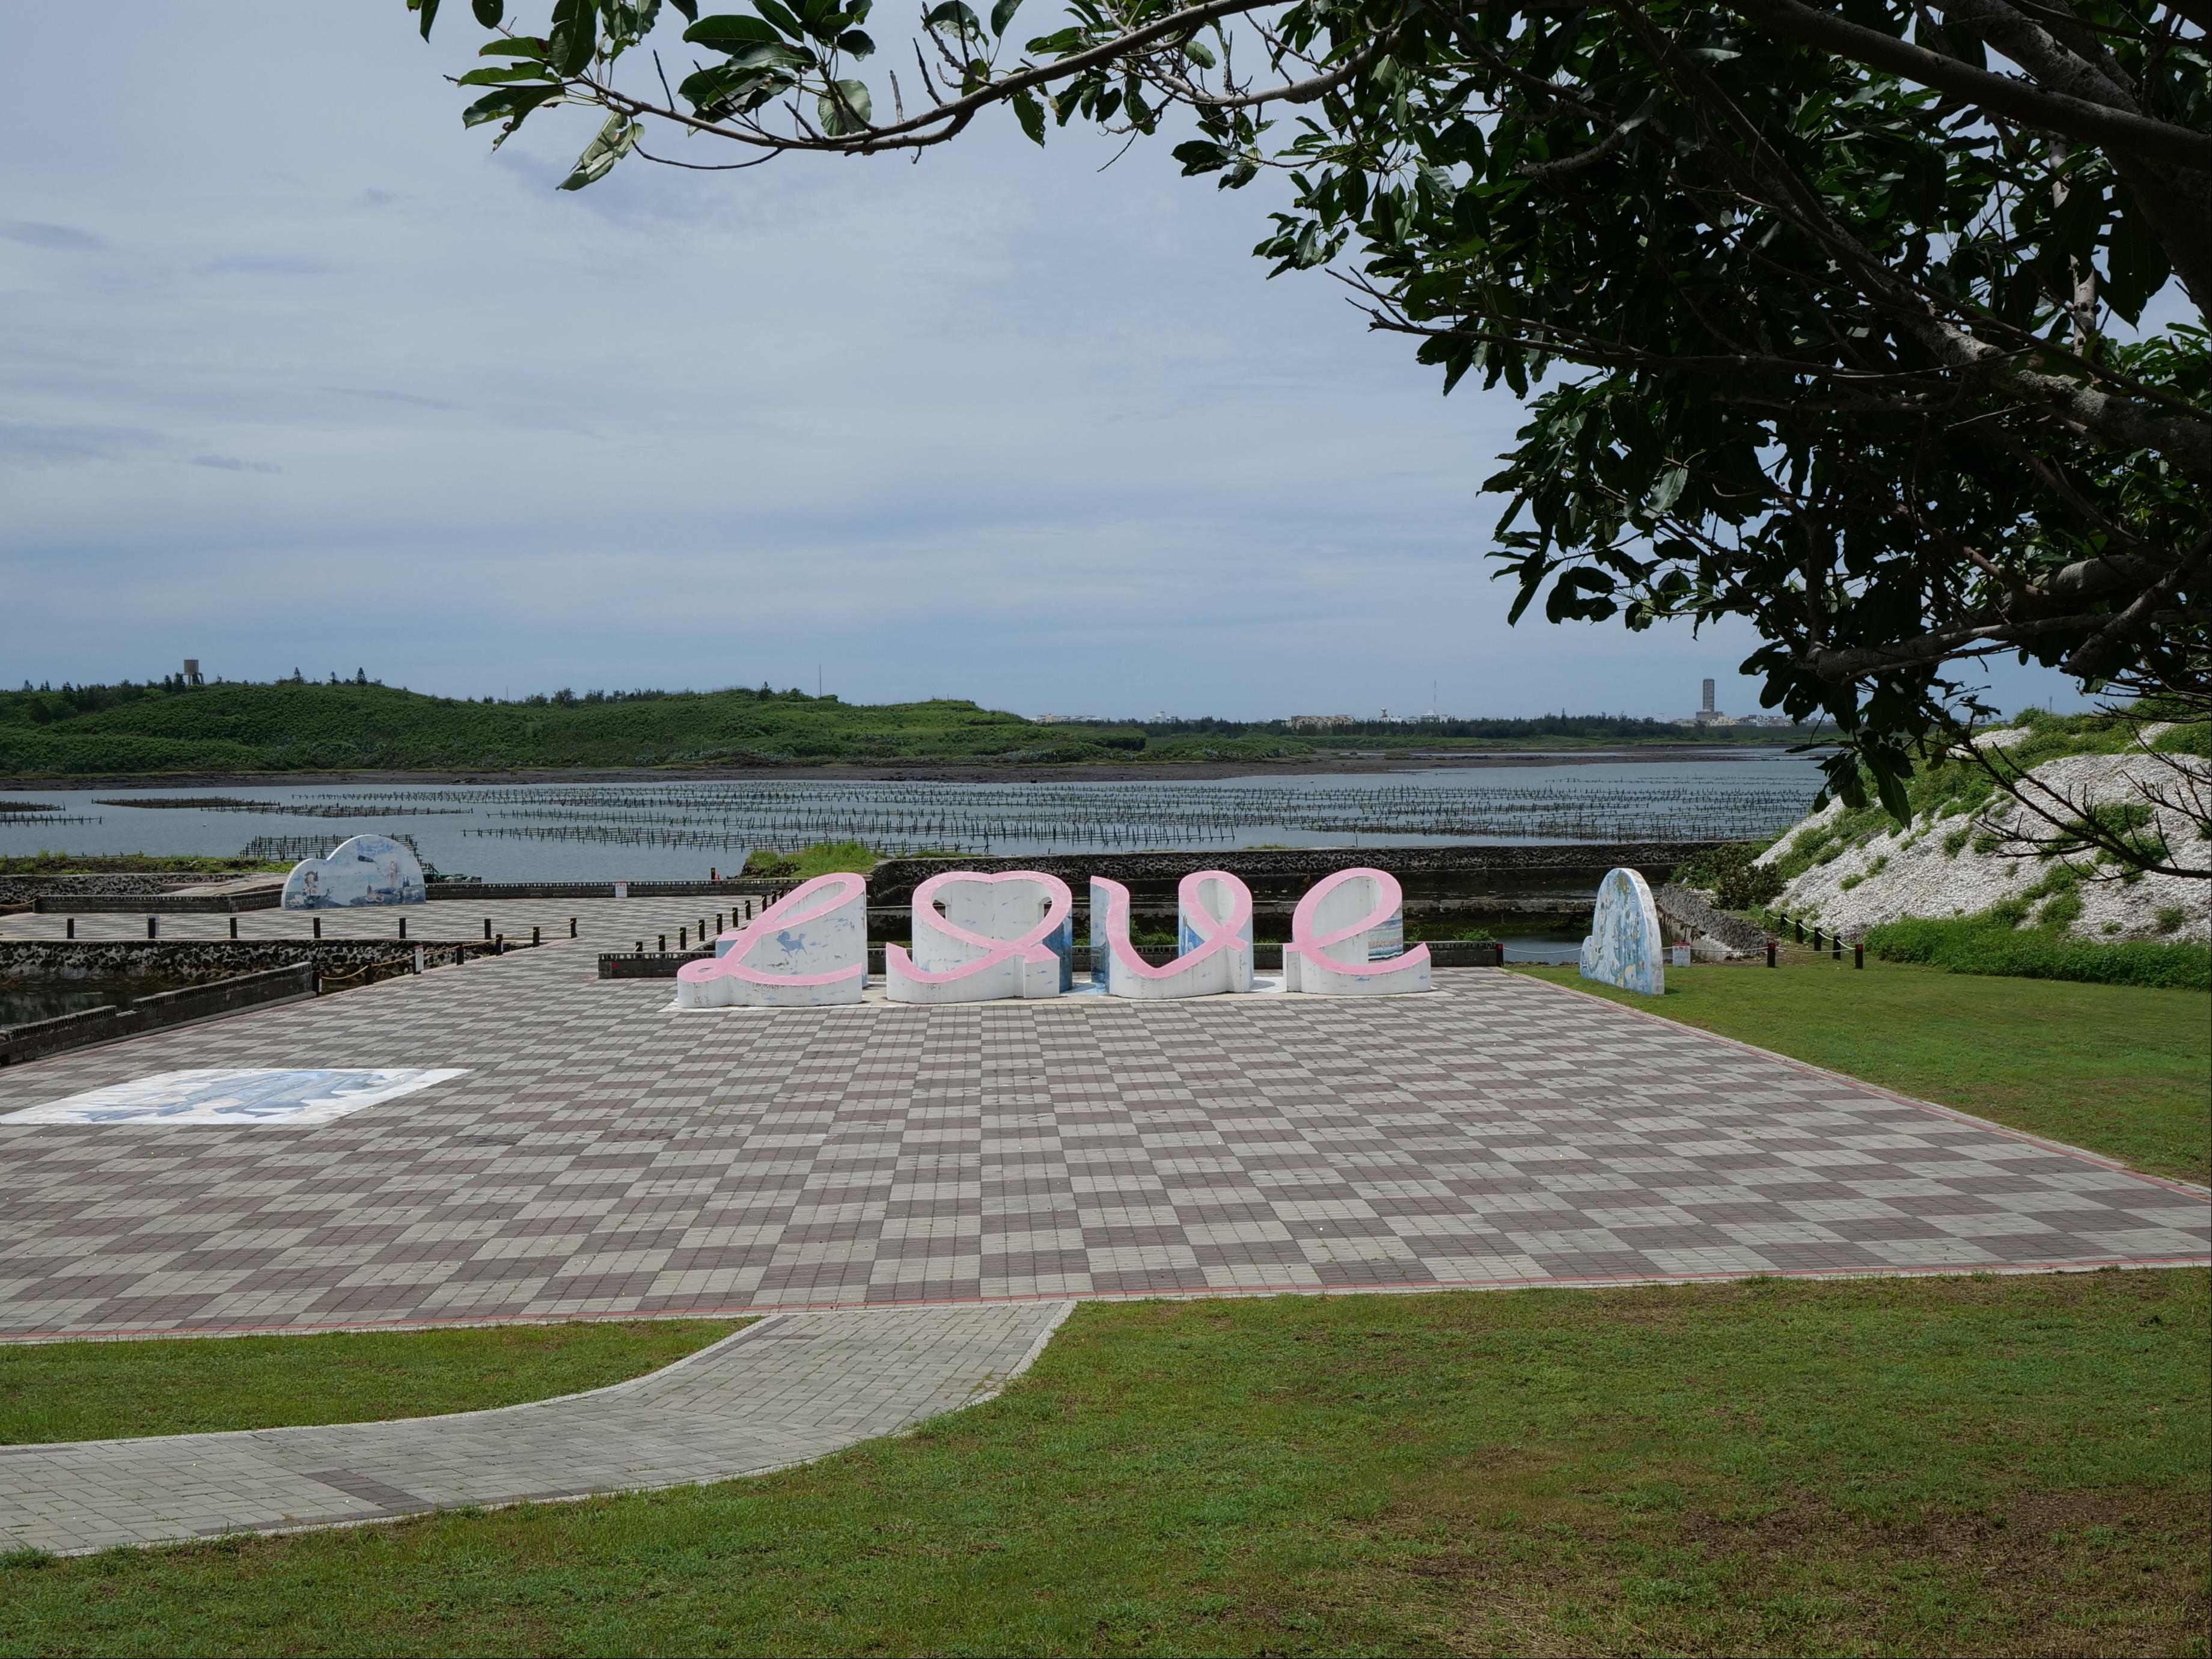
192 670
1709 698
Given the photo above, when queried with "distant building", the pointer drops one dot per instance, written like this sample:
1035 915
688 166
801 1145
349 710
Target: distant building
1318 722
1707 715
1069 719
192 670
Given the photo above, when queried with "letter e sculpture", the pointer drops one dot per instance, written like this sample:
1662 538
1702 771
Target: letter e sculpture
1348 938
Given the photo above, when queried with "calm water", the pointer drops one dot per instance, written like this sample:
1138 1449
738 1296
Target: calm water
678 830
21 1004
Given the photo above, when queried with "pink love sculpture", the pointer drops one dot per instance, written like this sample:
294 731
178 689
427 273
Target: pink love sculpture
808 948
1340 925
998 937
1214 932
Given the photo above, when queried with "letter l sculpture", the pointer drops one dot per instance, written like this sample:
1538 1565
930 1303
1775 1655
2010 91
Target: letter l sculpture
808 948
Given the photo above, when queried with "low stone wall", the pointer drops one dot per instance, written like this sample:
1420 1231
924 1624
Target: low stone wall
893 882
23 889
659 964
197 962
554 889
156 904
1687 909
19 1043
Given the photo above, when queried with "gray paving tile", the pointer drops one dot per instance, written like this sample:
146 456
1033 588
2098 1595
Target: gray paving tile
793 1387
604 1155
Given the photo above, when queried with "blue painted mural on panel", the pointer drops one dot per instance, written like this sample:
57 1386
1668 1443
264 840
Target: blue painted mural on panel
367 869
1625 947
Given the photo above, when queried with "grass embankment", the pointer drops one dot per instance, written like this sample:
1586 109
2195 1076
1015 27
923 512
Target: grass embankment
1921 1466
2120 1070
116 1390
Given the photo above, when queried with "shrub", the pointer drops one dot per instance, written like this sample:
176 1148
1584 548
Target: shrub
1729 874
2171 918
1987 945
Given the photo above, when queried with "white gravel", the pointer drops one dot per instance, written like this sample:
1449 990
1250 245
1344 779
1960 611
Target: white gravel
1917 877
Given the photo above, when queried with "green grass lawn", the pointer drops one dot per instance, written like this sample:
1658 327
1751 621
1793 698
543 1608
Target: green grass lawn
2118 1069
112 1390
1911 1466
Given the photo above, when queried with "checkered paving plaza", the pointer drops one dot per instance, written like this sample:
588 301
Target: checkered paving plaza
605 1155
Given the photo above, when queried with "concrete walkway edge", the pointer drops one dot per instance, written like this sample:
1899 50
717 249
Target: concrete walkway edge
793 1387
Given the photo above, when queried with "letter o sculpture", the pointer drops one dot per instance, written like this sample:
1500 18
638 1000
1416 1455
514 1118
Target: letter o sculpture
998 936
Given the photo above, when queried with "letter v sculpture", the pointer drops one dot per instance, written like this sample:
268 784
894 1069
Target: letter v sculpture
808 948
998 936
1213 935
1348 938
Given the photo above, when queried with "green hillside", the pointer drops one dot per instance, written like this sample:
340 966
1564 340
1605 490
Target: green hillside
290 727
295 726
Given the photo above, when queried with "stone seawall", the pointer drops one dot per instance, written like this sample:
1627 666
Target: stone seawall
741 887
174 904
196 962
1268 958
24 889
1687 910
19 1043
1420 869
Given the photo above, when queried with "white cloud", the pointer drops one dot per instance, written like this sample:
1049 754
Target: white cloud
998 425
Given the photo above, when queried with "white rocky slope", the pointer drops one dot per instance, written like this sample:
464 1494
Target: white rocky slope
1931 867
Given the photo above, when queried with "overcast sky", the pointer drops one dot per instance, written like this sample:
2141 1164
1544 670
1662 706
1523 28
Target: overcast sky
298 374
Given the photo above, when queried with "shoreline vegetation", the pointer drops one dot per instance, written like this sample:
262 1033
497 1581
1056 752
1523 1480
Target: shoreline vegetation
230 730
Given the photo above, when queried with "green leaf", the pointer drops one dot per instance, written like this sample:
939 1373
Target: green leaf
615 140
1031 114
1198 53
428 9
954 13
489 13
1201 156
850 116
574 37
728 31
1003 14
856 43
780 14
522 47
1669 490
494 77
508 104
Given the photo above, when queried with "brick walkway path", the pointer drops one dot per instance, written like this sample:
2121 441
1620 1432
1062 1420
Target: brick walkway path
606 1156
793 1387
